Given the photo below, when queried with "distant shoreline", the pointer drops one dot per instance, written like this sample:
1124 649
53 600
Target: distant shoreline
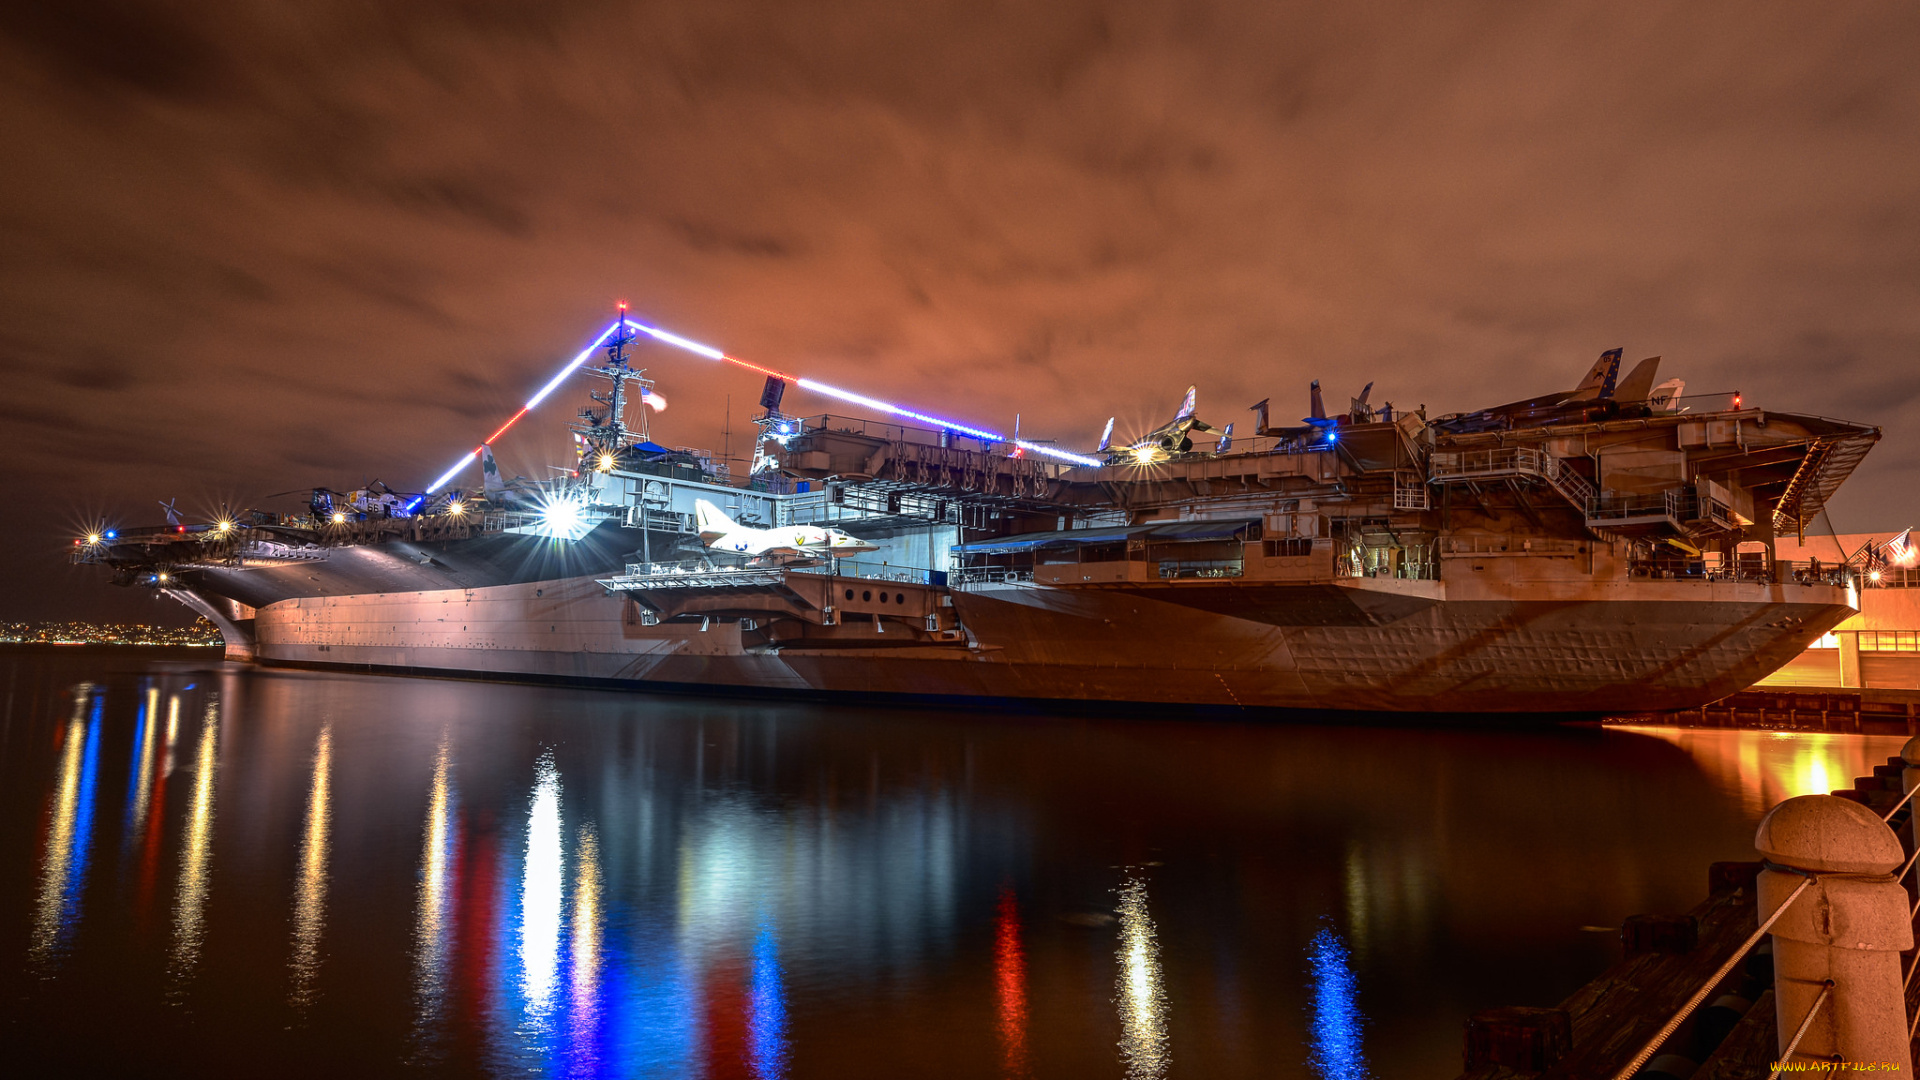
103 645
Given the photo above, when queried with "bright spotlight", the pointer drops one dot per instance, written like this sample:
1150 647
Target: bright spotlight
456 509
93 538
339 517
563 518
606 462
1873 575
223 526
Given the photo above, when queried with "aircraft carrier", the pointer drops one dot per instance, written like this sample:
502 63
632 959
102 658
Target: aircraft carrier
1597 550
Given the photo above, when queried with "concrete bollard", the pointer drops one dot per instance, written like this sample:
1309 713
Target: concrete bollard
1849 926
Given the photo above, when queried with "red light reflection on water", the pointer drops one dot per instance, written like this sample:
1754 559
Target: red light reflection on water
475 883
725 1001
150 851
1010 979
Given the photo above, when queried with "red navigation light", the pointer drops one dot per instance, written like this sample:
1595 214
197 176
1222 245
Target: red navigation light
623 305
1736 401
179 528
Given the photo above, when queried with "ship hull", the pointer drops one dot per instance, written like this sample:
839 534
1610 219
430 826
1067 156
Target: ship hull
1354 647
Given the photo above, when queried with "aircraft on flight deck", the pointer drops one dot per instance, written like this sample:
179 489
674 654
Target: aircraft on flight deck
1166 441
1317 427
1601 395
721 533
504 493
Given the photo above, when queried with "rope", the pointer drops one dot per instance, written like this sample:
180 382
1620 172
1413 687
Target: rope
1700 995
1812 1010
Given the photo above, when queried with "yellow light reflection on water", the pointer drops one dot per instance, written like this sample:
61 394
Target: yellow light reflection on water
1142 996
1765 768
189 904
541 887
430 923
310 896
173 728
149 730
60 834
586 937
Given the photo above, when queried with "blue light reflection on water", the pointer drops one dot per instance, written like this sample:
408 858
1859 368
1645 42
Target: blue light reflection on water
767 1019
139 771
1336 1025
69 831
83 819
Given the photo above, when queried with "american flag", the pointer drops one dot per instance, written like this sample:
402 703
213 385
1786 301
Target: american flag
1900 549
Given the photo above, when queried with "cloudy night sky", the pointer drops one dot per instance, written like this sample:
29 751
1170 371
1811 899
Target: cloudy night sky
251 248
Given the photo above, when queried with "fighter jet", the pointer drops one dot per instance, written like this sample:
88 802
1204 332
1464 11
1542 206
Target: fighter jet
505 493
1316 428
1166 441
1602 395
795 542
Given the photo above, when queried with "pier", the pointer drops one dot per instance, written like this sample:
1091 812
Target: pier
1788 965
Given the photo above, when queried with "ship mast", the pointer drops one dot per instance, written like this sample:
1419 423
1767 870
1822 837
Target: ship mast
602 427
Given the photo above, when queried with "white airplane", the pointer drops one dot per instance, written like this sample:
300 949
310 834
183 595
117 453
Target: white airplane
722 533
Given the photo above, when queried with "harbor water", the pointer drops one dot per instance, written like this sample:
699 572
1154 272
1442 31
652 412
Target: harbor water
214 870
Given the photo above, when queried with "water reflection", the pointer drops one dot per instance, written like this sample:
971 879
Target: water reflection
310 896
616 885
767 1009
1142 993
541 884
433 912
155 810
1336 1051
584 1022
189 905
63 870
173 728
1764 768
1010 982
140 780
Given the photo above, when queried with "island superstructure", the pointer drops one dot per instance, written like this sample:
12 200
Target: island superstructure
1604 549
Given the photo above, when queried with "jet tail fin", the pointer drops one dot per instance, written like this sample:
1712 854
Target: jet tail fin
1259 410
1187 406
495 488
712 521
1639 382
1319 410
1598 385
1106 438
1226 441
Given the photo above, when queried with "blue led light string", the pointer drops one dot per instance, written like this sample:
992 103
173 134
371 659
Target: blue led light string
709 352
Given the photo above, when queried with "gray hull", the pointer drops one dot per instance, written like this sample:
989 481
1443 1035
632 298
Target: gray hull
1368 646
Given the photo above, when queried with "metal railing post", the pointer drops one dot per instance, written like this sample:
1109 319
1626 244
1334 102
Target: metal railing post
1845 930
